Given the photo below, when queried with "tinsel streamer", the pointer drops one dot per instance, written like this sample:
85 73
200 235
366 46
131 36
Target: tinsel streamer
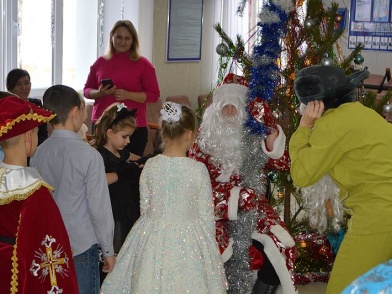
122 9
19 24
101 5
52 23
239 277
264 71
253 163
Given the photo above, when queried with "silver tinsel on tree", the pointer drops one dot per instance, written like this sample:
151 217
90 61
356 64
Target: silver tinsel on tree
239 276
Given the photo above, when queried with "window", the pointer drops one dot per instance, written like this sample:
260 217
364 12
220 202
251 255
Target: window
54 40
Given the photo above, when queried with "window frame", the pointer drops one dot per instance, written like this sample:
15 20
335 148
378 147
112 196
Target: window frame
8 46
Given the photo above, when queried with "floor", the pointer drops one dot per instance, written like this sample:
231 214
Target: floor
316 288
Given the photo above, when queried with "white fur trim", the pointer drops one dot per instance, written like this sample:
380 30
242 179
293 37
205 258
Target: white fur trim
224 177
234 94
282 235
277 147
277 261
228 251
232 208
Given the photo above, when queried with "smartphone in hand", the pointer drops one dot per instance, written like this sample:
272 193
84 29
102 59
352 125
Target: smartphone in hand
106 82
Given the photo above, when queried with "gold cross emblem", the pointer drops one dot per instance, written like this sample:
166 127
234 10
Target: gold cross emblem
51 261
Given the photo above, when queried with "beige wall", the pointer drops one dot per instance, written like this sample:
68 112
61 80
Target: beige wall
183 78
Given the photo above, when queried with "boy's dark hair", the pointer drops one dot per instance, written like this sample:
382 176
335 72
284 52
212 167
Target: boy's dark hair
61 99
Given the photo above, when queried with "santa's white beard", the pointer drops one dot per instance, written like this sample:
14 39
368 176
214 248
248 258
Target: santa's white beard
221 138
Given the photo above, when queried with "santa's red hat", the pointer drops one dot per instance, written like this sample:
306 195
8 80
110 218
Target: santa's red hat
233 90
235 79
18 116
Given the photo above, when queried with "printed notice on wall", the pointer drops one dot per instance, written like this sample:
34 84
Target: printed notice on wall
371 24
184 30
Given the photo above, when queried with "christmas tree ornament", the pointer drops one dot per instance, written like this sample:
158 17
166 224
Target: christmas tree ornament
222 49
277 114
387 108
338 18
326 60
309 23
280 194
273 176
359 59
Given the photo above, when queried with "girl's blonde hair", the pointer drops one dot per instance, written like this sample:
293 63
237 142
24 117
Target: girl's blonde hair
174 130
115 117
134 51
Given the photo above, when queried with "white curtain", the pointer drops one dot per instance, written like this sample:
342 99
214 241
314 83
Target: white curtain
233 24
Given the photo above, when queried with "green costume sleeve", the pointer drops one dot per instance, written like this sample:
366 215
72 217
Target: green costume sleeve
313 152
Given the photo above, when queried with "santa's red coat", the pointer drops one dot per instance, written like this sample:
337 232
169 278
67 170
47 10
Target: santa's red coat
229 197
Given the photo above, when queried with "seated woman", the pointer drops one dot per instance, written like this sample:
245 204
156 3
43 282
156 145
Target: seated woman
18 82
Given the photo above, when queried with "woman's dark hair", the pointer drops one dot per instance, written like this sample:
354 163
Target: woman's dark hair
14 76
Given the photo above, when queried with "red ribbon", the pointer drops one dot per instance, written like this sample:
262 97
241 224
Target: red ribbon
256 259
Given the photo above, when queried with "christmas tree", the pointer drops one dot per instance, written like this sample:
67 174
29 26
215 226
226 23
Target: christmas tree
291 36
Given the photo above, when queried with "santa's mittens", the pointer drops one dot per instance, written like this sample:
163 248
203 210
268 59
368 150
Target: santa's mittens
260 111
283 236
247 199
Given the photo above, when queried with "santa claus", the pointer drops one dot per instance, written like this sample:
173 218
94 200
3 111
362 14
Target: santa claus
256 247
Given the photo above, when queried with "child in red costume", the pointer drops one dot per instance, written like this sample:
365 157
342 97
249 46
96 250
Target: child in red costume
35 253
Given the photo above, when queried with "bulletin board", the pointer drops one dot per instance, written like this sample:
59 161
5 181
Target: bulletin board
184 30
371 24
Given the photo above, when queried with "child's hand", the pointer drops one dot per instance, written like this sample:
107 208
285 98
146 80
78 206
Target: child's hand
133 157
314 110
108 263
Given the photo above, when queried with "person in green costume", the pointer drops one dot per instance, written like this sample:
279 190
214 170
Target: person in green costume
352 143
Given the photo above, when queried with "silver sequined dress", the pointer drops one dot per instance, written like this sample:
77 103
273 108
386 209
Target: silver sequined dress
172 247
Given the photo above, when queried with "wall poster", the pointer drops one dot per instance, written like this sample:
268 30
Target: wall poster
184 28
371 24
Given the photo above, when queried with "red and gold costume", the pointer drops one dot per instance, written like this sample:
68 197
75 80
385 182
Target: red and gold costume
35 253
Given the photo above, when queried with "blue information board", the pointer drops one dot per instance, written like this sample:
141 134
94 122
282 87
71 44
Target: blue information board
370 24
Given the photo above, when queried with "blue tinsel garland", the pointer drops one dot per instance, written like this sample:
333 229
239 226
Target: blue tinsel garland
264 71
